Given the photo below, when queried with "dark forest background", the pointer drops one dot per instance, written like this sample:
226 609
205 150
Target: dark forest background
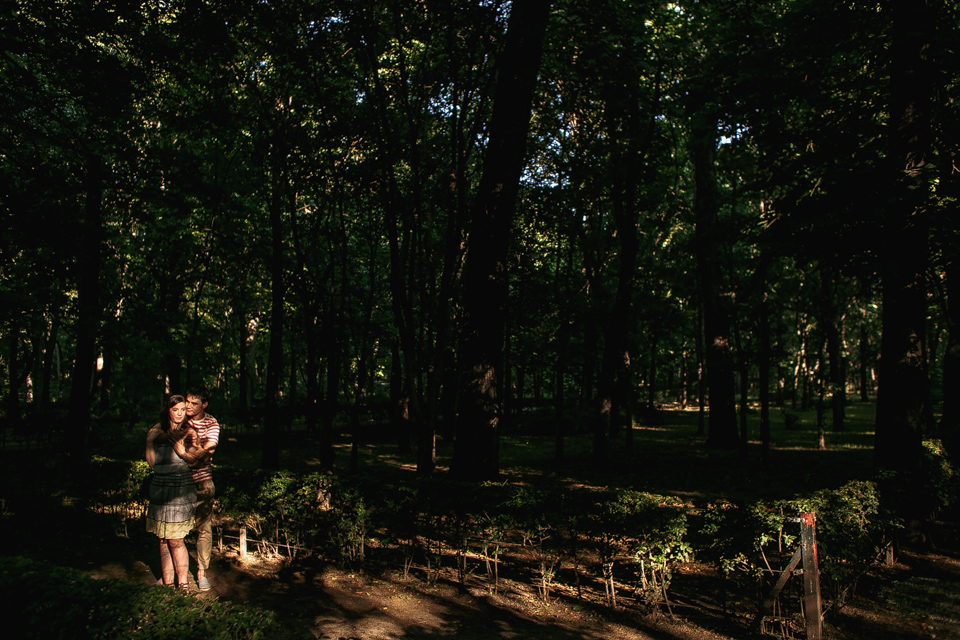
443 213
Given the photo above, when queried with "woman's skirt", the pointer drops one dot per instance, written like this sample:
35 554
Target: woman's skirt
173 497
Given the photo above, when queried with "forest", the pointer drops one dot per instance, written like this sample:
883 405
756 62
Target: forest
441 217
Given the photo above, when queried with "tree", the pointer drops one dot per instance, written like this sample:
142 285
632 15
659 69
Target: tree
484 281
903 394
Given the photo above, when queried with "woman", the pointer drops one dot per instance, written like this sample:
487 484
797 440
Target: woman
171 445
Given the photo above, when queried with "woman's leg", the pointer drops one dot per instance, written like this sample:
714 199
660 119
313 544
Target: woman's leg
181 561
167 569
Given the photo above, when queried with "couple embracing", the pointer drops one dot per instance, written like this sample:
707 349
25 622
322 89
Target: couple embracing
179 450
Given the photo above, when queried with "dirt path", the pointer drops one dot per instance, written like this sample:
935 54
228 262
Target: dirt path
330 603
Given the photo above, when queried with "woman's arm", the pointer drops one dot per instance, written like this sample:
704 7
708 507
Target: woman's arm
151 453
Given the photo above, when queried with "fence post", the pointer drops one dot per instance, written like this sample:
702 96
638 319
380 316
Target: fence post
812 606
243 541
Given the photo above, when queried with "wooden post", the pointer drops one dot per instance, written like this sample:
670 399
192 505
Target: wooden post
243 541
812 605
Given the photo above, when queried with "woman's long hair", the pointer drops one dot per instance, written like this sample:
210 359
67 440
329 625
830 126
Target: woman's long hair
170 403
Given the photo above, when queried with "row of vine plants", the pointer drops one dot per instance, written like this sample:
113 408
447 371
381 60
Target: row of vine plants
621 542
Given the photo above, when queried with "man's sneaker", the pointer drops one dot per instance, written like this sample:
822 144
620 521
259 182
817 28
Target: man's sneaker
203 584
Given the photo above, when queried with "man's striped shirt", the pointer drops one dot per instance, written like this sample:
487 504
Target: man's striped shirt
209 430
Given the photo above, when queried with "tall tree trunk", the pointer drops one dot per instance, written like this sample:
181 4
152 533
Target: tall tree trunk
331 402
248 359
832 320
950 418
88 312
764 362
622 124
865 354
949 190
903 394
485 286
722 426
312 373
13 377
278 201
49 355
562 284
701 376
743 367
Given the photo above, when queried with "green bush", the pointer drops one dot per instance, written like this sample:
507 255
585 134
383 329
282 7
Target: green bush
748 541
57 602
941 480
646 528
545 522
852 533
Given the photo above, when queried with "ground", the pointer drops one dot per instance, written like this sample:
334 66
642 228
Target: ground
917 598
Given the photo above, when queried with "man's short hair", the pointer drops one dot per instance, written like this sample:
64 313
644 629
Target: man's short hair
199 392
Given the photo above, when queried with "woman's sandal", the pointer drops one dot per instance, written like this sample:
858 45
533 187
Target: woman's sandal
184 586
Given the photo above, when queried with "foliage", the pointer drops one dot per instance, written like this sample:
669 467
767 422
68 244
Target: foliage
58 602
941 479
791 419
160 136
348 521
545 522
749 541
286 508
645 528
852 533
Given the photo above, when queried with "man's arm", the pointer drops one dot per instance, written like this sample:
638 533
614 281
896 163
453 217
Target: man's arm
209 443
188 449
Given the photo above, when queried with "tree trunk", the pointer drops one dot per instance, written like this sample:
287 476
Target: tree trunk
278 200
50 354
88 316
701 376
832 321
903 394
248 359
950 418
722 426
13 378
865 354
764 363
476 453
622 124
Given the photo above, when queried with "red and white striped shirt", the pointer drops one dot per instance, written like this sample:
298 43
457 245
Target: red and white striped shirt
209 430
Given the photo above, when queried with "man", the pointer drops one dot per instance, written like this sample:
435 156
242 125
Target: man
209 430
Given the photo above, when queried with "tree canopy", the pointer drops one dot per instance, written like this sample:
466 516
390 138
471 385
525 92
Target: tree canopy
447 212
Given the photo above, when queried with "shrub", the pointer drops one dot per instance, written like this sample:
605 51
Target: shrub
941 480
542 519
791 420
750 541
852 533
284 508
646 528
